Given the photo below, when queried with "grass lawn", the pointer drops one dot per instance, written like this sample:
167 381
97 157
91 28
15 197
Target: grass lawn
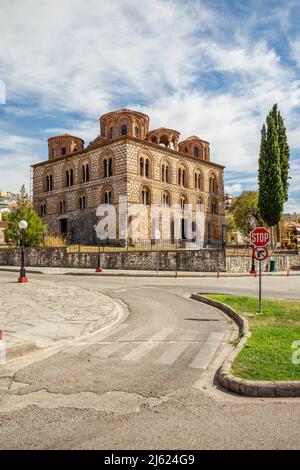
268 353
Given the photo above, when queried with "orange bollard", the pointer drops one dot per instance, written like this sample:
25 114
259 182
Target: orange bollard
1 335
218 275
288 273
176 275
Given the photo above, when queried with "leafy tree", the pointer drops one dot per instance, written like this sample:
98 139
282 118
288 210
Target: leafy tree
245 211
33 235
271 191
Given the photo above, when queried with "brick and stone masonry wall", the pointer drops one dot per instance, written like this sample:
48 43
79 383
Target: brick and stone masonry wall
187 260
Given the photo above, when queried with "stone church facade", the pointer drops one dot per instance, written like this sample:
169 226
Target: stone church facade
150 167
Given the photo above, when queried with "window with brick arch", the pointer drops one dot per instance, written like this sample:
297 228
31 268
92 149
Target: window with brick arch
183 202
182 177
213 184
214 207
62 207
196 151
49 182
200 204
82 202
165 173
69 178
108 197
198 180
85 173
136 132
108 167
63 151
166 199
43 210
145 167
111 133
124 130
145 196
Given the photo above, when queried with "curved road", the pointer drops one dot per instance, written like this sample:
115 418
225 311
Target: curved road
146 384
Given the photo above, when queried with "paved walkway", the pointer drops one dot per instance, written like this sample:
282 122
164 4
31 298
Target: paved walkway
42 314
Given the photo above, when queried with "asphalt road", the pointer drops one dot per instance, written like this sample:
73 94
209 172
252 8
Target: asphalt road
147 384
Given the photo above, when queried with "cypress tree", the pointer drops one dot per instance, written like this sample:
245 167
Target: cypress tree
284 149
271 193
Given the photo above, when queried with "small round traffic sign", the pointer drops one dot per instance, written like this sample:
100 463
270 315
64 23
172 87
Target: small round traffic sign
260 253
260 236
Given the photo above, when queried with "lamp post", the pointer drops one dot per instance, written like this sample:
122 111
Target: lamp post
22 226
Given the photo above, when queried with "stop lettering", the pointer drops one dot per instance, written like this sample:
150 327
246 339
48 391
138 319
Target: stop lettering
260 236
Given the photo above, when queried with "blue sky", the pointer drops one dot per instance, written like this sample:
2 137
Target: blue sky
208 67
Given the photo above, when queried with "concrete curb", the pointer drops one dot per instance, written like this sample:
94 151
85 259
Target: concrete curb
250 388
133 273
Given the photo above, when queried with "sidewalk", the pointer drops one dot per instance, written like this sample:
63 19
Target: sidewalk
42 314
137 273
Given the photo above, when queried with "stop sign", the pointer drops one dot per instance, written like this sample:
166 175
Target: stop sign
260 236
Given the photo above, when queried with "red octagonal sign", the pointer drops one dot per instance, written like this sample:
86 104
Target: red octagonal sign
260 236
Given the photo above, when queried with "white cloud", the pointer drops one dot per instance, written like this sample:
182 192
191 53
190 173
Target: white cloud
233 188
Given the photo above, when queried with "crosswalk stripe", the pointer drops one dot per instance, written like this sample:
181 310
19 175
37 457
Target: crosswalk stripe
207 351
82 345
145 348
115 346
173 353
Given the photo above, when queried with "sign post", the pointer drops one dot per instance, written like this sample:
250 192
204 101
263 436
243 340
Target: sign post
260 237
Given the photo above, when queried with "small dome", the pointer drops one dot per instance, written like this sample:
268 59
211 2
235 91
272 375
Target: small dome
99 140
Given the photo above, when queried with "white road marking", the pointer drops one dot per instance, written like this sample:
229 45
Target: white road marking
145 348
173 353
82 345
207 351
115 346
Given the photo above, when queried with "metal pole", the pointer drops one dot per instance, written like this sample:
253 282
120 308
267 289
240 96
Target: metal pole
22 270
260 288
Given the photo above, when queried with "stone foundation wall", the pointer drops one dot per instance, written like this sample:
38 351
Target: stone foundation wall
209 260
183 260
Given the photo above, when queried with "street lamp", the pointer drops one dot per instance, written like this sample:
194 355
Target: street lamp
22 226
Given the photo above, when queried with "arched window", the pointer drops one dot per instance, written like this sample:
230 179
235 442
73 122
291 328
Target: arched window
204 153
63 151
82 202
49 182
145 167
85 172
62 207
196 151
124 129
166 199
165 173
136 132
108 197
213 184
111 133
182 177
108 167
200 203
214 208
69 178
145 196
198 180
43 210
183 202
